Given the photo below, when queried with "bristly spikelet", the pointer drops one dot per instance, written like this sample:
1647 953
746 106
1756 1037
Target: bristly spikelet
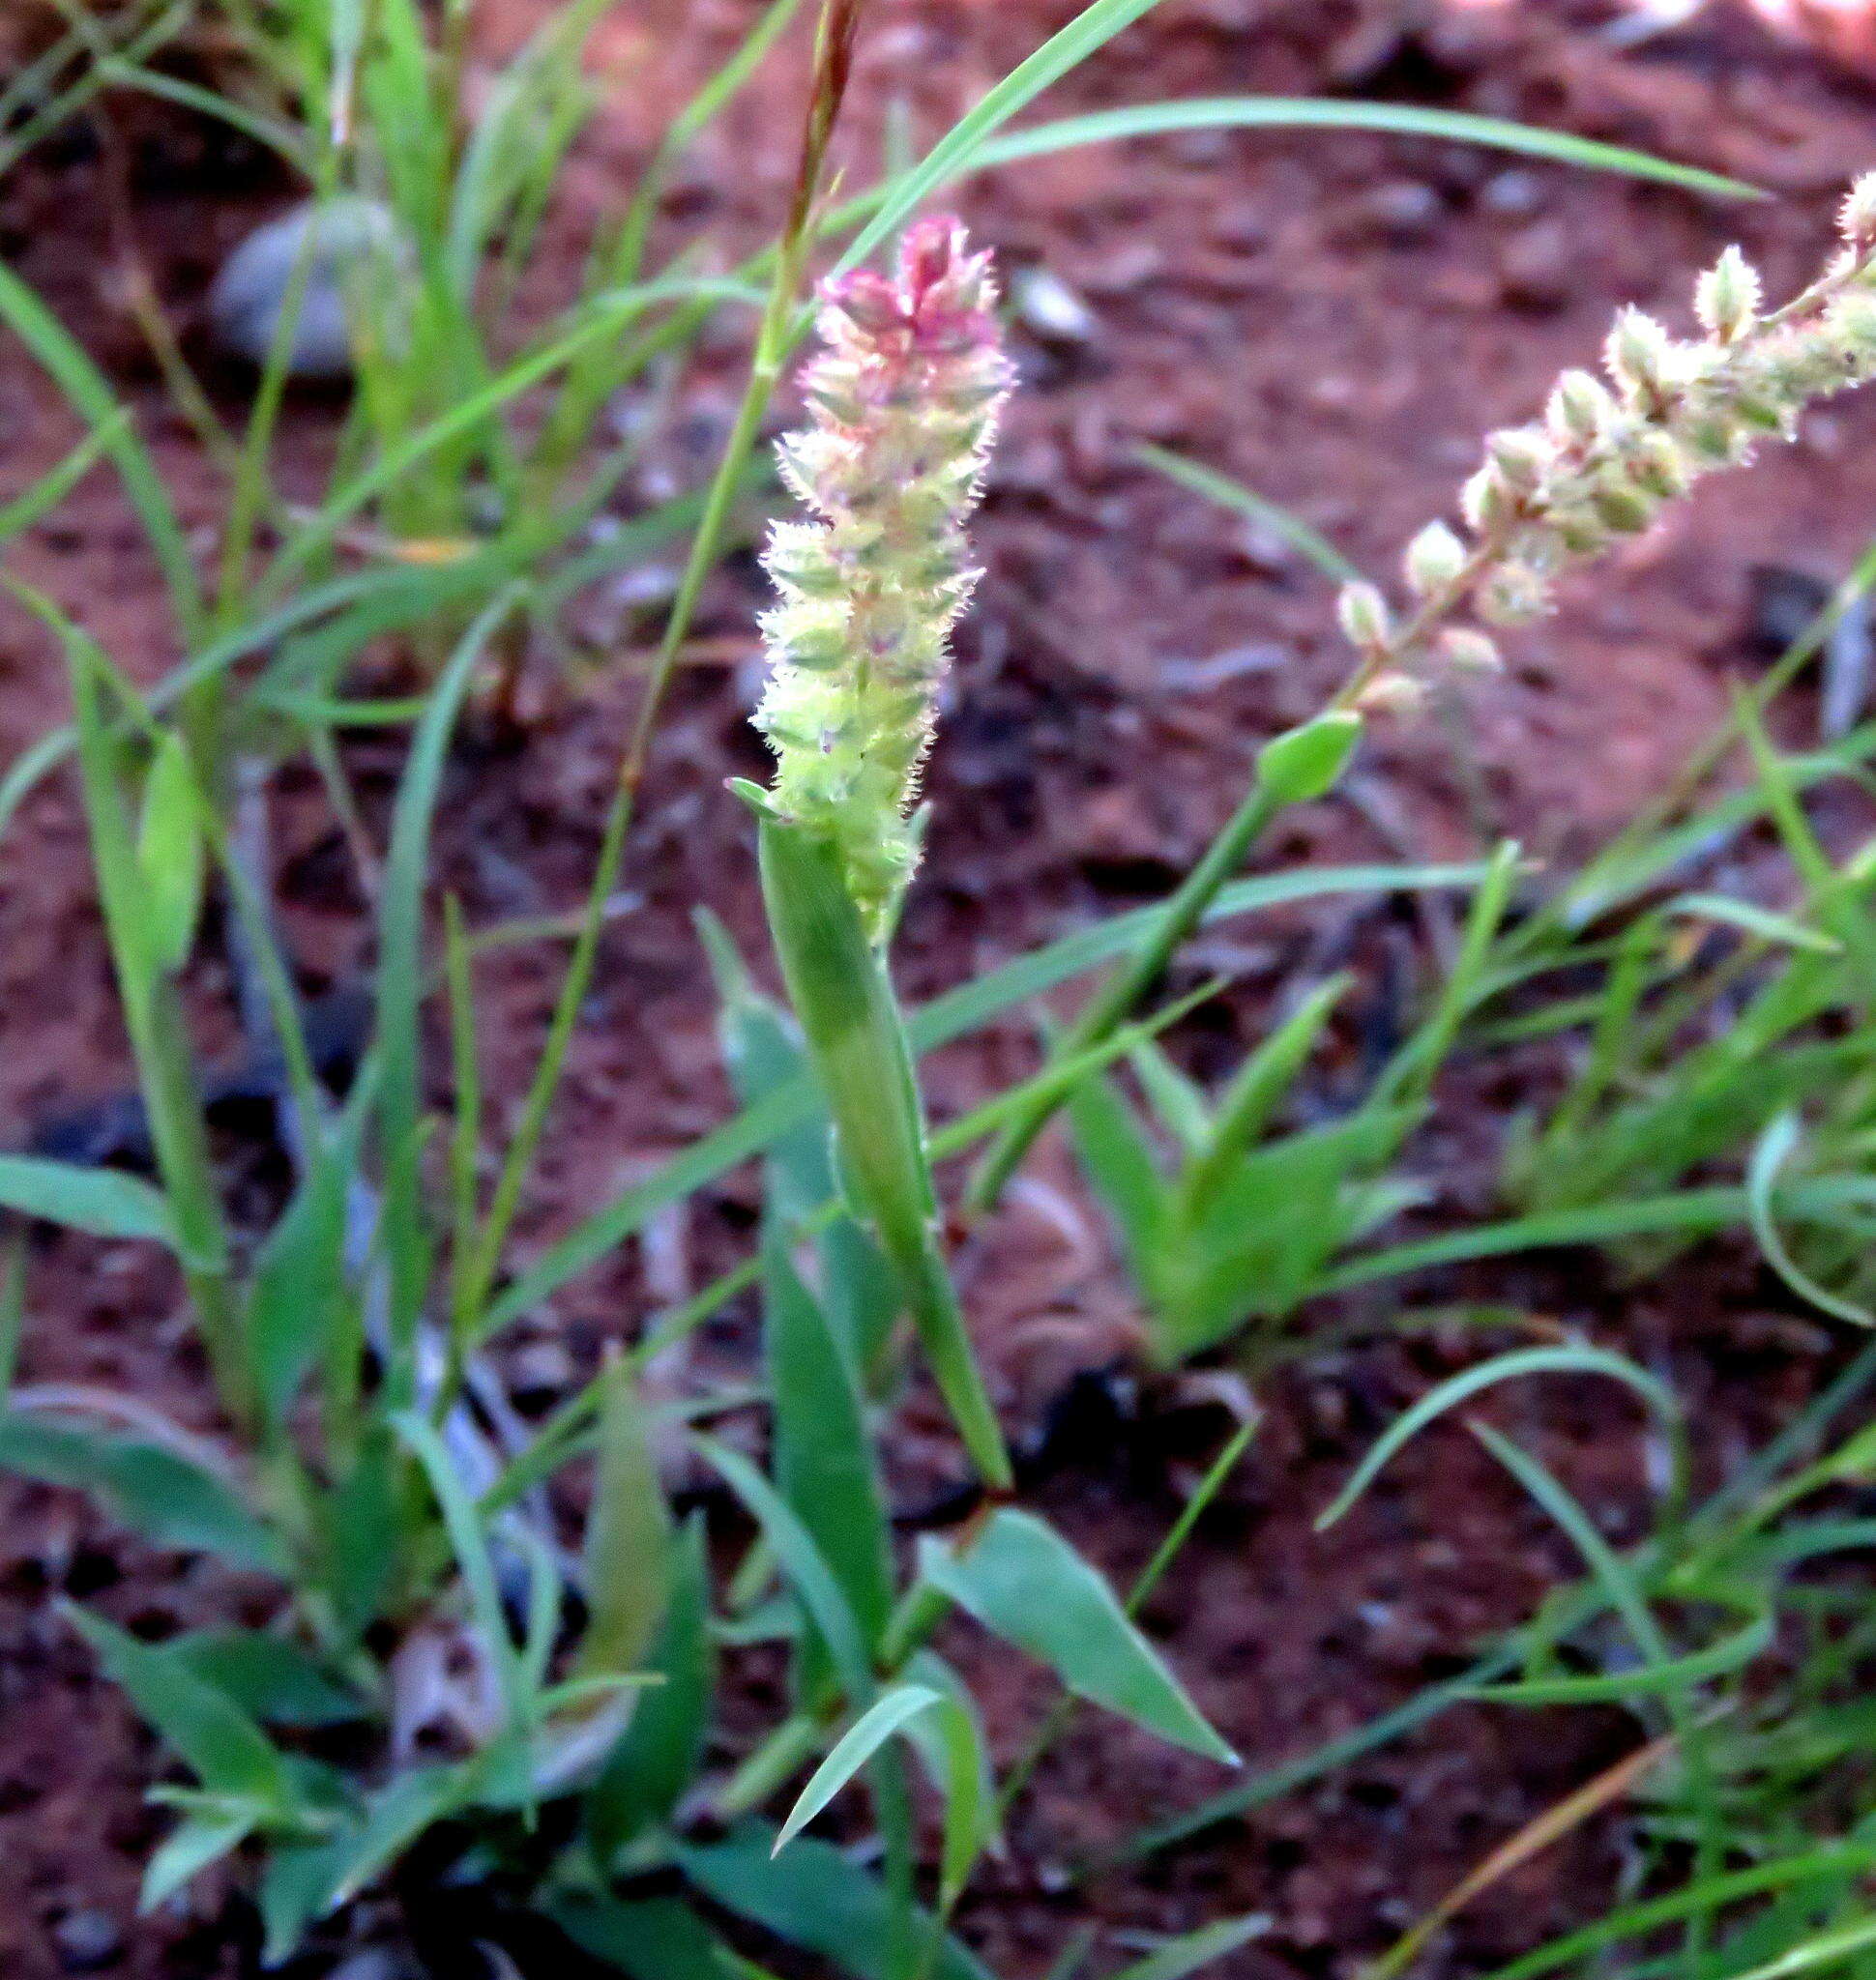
1856 216
904 404
1726 299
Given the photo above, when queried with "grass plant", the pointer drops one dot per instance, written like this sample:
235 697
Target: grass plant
505 1646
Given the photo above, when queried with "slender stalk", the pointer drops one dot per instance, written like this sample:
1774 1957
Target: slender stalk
833 63
1294 767
838 983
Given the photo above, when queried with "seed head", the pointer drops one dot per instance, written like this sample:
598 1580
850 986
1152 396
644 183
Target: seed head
1640 356
1486 502
902 405
1580 410
1621 506
1392 693
1513 594
1656 464
1468 651
1521 454
1852 322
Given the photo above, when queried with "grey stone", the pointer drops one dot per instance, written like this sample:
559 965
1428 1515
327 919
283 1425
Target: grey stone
358 268
88 1942
1402 211
1536 268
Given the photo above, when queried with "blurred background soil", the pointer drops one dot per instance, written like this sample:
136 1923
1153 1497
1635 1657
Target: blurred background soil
1333 318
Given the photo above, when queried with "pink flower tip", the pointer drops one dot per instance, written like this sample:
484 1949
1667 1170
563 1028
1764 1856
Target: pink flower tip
937 300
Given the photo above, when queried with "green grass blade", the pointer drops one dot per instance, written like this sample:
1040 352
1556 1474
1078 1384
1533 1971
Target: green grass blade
889 1714
803 1564
1402 120
1191 1950
960 149
1773 1150
100 1201
815 1896
950 1016
91 396
470 1543
1624 1593
401 987
155 1491
219 1741
1634 1921
1309 544
1575 1360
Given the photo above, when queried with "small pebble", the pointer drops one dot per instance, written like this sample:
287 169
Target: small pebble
1266 549
87 1941
539 1369
1535 267
1201 148
1516 194
1243 224
1401 210
1049 309
1130 266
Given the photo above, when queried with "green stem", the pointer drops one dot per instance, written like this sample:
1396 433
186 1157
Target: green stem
842 994
1111 1003
1299 765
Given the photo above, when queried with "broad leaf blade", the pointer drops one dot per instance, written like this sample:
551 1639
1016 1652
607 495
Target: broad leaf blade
269 1676
300 1289
814 1896
1025 1584
154 1491
171 852
190 1846
229 1753
650 1939
1117 1157
658 1755
98 1202
823 1456
628 1538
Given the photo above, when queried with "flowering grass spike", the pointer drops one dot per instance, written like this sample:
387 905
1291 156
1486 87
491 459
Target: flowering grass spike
902 405
1607 457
